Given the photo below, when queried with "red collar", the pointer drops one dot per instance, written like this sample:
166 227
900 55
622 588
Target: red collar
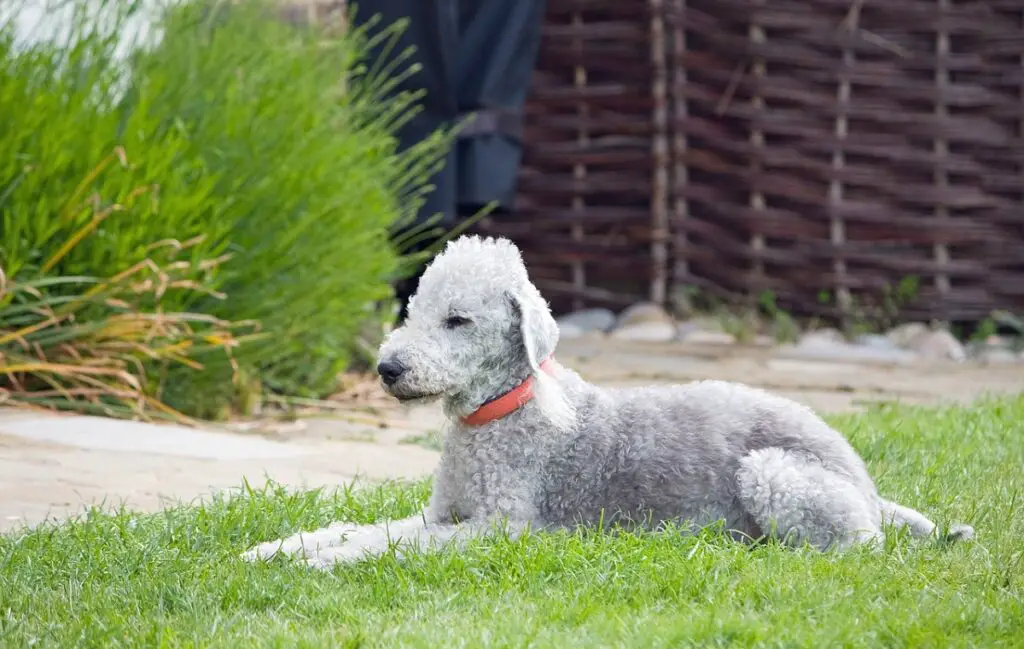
509 402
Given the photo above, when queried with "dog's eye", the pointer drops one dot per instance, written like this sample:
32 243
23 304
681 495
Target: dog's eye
454 321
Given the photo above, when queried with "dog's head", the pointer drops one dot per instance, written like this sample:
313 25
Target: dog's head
475 328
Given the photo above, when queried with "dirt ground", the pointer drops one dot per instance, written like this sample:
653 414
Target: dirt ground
53 466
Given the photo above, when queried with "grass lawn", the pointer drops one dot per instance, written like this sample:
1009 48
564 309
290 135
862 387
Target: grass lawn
173 579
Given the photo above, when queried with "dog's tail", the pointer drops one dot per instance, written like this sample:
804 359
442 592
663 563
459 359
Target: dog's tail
918 523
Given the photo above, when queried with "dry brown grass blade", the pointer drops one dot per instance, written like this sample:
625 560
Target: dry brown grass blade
94 351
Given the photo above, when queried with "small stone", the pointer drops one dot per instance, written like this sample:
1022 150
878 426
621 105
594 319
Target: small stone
875 341
589 320
994 350
905 335
568 331
831 344
651 332
992 355
831 350
822 336
643 312
939 345
592 335
686 328
709 338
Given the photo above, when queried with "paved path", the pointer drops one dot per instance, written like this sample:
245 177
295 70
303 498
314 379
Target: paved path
52 465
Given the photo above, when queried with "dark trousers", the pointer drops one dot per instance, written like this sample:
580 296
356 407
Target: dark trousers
475 57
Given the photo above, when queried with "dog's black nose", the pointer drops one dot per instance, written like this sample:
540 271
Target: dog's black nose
390 371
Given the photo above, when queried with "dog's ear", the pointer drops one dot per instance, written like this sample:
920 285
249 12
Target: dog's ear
538 330
539 333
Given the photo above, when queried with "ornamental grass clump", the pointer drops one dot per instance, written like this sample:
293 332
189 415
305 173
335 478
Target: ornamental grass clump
245 135
105 345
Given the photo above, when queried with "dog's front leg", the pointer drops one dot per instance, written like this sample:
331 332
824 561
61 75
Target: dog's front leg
412 535
310 543
346 536
506 506
373 541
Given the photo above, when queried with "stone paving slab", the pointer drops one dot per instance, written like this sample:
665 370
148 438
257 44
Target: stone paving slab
824 384
52 465
129 437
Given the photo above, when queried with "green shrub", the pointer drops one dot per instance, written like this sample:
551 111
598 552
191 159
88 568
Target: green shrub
272 142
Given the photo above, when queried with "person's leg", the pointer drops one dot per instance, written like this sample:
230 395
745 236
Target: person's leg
498 47
432 32
473 56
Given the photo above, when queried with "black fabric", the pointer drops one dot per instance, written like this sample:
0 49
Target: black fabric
475 60
491 121
497 55
474 56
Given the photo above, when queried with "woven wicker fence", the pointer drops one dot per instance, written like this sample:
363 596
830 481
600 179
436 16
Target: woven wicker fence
801 147
584 214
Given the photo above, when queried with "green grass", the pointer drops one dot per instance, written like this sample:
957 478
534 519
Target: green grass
271 149
173 579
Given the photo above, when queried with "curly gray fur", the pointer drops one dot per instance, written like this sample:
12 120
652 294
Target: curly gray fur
693 455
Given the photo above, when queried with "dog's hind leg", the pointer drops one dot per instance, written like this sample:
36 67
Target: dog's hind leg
797 499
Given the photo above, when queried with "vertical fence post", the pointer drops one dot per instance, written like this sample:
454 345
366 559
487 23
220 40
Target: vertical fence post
941 150
758 38
659 156
680 144
837 226
579 170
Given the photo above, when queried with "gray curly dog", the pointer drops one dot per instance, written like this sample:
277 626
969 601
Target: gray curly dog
530 445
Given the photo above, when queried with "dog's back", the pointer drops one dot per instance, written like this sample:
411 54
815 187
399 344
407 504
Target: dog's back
673 452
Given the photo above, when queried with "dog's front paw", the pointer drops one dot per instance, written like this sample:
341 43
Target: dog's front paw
327 558
288 547
264 551
305 544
